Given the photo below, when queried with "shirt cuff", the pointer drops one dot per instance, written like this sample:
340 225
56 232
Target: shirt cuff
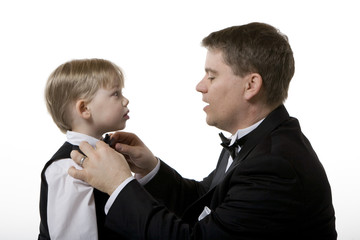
113 196
144 180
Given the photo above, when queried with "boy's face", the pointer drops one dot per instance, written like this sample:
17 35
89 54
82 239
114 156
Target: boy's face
109 110
223 91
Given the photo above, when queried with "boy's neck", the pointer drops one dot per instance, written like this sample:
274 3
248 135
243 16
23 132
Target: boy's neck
89 132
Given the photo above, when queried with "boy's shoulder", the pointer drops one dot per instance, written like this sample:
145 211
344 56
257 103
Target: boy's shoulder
63 152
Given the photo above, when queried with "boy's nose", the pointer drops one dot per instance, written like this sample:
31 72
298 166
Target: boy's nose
125 102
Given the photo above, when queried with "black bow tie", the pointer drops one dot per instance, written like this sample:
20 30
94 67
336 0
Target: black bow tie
107 139
232 149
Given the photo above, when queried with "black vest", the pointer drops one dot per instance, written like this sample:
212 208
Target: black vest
100 200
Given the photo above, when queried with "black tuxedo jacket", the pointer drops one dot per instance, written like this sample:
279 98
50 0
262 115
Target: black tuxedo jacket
276 188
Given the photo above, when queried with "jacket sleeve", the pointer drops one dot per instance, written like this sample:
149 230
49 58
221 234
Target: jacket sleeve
152 211
175 192
248 195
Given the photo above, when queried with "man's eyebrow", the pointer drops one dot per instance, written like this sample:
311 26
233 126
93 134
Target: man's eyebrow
209 70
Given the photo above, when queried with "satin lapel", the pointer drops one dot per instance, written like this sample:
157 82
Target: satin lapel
272 121
220 169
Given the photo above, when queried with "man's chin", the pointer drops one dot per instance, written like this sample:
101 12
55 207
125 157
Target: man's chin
210 122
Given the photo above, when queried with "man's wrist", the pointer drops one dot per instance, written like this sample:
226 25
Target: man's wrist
153 165
115 193
146 178
123 177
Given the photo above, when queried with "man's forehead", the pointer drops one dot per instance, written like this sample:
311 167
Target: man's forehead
215 55
214 61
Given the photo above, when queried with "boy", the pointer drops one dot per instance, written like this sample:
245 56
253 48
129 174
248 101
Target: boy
84 98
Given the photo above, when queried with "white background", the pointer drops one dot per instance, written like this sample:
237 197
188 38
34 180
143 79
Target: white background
157 43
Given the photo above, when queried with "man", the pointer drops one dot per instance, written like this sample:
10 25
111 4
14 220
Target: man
268 184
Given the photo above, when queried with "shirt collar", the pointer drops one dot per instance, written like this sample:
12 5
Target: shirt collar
76 138
242 132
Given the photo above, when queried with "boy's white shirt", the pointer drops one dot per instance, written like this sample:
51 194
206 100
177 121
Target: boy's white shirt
71 206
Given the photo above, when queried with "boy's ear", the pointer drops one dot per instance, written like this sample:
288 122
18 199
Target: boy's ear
82 109
253 86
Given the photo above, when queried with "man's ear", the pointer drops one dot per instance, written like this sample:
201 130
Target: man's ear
253 86
82 109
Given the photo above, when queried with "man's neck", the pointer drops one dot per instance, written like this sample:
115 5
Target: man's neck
253 116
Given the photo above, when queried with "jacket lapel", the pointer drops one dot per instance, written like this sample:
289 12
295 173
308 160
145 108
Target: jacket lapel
272 121
220 169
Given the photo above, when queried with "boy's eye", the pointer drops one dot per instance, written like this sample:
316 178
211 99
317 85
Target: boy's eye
116 93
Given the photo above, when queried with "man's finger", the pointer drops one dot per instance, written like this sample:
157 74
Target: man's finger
116 136
126 138
123 148
87 149
76 156
100 144
76 173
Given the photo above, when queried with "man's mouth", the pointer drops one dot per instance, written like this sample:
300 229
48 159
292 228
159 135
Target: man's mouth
206 106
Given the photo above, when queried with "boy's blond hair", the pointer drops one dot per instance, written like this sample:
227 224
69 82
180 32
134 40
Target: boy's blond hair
78 79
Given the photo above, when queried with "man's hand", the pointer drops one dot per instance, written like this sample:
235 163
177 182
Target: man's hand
103 168
140 158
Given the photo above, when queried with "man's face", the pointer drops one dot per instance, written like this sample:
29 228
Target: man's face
223 91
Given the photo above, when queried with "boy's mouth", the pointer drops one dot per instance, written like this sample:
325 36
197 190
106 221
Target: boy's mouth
126 115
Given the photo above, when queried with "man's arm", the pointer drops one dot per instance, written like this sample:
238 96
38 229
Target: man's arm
253 202
174 191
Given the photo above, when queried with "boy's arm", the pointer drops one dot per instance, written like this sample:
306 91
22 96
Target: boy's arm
71 207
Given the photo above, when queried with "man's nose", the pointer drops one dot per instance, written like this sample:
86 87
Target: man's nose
201 87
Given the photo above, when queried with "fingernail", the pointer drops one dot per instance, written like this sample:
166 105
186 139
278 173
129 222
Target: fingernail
118 146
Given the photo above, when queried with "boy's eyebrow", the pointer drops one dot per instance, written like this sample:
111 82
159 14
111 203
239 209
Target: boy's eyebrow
114 86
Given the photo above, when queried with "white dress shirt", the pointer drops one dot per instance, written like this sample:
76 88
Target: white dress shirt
71 206
239 134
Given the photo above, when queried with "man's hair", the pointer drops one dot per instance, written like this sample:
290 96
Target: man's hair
257 48
78 79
